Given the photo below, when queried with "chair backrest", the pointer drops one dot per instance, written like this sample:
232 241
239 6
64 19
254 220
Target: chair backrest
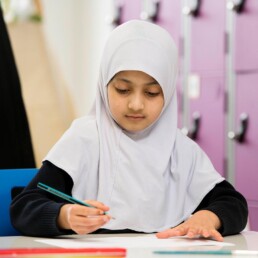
11 182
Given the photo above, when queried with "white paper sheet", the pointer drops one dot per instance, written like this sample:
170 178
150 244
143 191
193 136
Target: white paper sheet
145 241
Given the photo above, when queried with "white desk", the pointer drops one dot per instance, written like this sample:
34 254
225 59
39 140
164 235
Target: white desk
245 241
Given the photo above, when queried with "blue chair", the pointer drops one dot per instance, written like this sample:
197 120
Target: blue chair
12 181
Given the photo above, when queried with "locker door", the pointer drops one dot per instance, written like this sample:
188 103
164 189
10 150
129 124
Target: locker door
246 152
124 10
242 83
204 77
246 37
208 37
169 17
208 104
131 9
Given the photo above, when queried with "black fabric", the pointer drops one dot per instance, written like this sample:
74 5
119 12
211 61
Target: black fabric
15 142
16 190
229 205
34 212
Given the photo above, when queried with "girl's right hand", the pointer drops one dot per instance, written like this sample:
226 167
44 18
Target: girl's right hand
82 219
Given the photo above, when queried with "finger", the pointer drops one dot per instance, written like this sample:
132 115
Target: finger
98 205
68 213
205 233
86 230
170 233
89 221
192 232
83 231
81 210
85 224
82 216
181 230
163 234
216 236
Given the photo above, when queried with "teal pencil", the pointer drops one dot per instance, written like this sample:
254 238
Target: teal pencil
207 252
64 196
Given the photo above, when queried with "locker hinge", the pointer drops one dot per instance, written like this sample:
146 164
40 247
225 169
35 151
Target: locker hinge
226 43
181 46
225 108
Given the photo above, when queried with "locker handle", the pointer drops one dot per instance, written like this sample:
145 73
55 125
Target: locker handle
151 16
236 5
116 18
193 132
240 135
192 9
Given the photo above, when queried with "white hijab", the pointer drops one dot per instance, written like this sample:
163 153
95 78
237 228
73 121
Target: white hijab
154 179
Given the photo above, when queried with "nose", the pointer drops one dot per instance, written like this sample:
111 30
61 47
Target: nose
136 103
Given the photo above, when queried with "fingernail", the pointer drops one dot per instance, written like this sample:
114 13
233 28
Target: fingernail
106 219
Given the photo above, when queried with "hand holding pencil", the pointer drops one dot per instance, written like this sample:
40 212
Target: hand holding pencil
82 219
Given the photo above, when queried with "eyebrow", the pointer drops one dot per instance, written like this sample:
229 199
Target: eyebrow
154 82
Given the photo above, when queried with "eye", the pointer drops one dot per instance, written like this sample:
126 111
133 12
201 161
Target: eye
152 94
122 91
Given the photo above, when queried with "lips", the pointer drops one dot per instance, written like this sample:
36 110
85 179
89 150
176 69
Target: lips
135 117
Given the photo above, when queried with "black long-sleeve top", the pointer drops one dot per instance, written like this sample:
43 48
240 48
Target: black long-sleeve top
34 212
16 150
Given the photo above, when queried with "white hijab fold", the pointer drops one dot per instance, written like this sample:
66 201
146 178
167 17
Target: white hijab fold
153 179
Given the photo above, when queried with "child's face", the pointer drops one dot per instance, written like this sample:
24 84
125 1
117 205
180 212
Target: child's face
135 100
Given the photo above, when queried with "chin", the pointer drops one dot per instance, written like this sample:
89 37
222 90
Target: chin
134 130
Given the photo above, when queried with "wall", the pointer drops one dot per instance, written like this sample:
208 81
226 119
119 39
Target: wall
75 34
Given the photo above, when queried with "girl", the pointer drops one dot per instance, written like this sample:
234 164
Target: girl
128 159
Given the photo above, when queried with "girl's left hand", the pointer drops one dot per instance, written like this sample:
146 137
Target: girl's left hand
203 223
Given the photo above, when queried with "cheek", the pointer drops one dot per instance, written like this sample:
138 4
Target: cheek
156 108
111 100
115 104
113 108
155 114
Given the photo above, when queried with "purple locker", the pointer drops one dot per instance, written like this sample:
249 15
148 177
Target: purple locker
125 10
208 37
246 152
246 37
210 107
130 9
169 17
244 58
207 60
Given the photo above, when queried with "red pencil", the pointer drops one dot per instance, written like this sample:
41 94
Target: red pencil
115 252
